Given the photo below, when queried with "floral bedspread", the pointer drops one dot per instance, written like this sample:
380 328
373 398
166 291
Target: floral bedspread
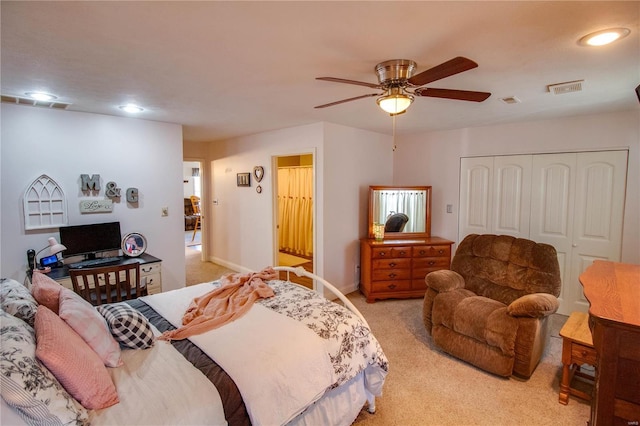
357 347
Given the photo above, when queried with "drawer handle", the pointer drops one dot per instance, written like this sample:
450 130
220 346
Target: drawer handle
392 286
392 264
584 353
392 275
440 251
432 263
402 253
422 252
382 254
147 270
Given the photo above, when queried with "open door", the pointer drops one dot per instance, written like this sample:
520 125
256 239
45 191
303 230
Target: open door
294 212
194 200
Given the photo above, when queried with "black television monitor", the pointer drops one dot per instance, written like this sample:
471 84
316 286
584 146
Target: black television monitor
90 239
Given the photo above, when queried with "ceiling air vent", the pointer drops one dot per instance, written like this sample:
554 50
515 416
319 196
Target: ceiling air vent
510 100
568 87
27 101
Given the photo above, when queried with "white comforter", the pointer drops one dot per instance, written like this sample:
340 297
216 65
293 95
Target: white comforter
282 366
158 386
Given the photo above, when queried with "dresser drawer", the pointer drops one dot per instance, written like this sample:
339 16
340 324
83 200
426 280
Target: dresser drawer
420 273
581 354
418 284
391 274
391 285
399 263
150 268
431 262
432 251
153 283
390 252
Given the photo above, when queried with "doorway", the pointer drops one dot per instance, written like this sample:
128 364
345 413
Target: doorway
294 212
192 172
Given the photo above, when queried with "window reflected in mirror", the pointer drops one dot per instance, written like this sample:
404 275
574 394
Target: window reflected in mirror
404 211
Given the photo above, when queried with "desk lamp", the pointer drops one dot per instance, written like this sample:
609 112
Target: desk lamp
54 248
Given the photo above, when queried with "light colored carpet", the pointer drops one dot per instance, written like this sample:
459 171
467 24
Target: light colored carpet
197 271
428 387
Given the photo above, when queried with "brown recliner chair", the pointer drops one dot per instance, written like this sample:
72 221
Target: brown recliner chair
492 308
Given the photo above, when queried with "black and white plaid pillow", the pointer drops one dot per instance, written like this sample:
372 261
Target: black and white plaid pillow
128 326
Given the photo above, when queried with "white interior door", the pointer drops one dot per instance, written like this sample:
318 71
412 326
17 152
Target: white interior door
512 195
553 180
599 211
476 188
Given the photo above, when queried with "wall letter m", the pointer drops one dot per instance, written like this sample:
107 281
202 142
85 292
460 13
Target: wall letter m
92 184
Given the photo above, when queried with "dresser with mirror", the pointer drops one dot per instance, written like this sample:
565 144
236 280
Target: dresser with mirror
399 250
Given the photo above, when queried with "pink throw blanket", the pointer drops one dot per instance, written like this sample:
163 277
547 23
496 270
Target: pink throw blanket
224 304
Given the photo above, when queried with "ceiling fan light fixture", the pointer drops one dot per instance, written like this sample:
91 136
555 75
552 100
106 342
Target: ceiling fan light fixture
601 38
395 102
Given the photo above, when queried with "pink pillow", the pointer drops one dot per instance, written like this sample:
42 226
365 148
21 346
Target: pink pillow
72 361
90 325
45 290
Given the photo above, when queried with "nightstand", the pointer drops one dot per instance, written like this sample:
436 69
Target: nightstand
577 350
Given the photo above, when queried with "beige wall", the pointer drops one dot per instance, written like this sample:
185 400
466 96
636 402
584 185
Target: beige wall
346 161
65 144
434 159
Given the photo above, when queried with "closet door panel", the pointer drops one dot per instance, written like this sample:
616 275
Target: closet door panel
600 193
476 177
552 201
512 195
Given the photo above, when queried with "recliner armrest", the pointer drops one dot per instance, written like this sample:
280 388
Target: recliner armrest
444 280
536 305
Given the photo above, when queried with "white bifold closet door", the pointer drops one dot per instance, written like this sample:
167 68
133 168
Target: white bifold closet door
573 201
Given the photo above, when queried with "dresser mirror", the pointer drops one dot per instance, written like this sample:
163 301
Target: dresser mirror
405 211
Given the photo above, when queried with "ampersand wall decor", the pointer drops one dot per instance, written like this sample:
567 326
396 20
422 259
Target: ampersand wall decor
112 190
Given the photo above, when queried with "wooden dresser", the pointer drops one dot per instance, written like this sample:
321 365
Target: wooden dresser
613 292
396 268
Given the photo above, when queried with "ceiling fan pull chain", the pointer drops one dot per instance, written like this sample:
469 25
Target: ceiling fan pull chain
393 118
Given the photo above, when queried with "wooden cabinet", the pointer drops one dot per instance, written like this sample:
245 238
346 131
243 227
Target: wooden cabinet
613 292
396 268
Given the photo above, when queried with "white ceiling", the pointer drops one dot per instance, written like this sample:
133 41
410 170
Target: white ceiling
225 69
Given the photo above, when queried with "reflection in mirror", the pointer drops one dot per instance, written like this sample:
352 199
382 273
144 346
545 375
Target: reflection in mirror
403 210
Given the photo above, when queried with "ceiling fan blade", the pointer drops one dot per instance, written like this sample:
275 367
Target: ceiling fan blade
461 95
446 69
342 80
348 100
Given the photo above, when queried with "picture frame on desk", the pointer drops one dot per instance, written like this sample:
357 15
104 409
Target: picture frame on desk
134 244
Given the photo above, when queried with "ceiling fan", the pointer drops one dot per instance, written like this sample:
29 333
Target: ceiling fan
400 86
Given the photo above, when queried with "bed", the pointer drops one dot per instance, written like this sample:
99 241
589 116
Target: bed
295 358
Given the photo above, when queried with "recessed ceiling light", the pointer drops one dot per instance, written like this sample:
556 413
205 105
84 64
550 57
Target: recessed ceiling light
131 108
41 96
600 38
